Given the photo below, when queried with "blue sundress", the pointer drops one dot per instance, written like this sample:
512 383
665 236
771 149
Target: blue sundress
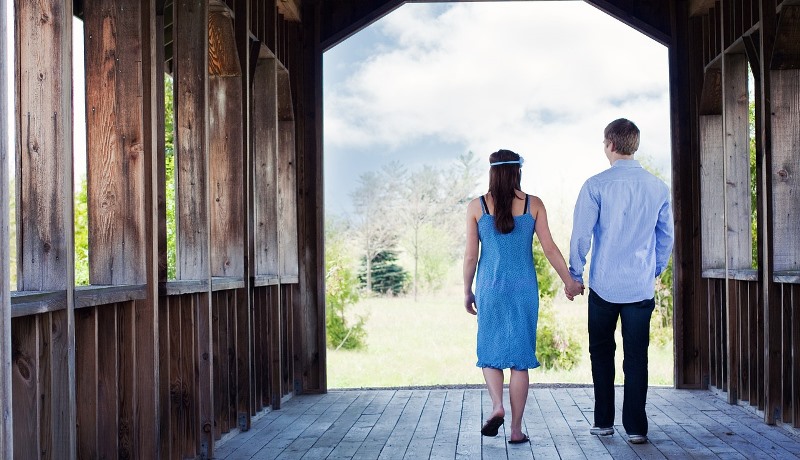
507 293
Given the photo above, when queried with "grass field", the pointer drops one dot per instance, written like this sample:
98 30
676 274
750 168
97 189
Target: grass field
432 342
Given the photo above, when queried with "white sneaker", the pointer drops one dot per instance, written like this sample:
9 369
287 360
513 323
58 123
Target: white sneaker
637 439
597 431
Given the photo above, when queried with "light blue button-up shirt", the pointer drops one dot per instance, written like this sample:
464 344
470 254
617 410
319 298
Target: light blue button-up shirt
624 215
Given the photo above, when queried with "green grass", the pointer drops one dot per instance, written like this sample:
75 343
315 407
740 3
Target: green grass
432 342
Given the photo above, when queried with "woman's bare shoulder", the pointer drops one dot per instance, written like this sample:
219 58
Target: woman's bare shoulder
536 205
474 207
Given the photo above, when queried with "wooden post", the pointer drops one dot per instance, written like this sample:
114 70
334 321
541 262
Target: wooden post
770 294
6 413
685 205
310 320
265 213
736 177
121 117
45 223
193 189
146 436
244 334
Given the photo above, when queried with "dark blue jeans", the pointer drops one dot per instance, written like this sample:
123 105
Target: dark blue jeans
635 341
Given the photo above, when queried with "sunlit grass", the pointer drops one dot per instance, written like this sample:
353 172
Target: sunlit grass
432 342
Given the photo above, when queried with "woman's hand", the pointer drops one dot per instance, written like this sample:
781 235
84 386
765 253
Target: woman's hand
469 303
572 288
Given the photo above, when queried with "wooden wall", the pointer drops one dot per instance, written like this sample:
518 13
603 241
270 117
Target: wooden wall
136 365
749 310
6 425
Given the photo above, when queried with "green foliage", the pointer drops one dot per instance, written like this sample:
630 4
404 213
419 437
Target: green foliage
661 320
435 256
341 292
751 116
81 221
169 155
388 277
556 346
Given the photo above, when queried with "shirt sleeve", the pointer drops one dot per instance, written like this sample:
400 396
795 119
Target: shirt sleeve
587 211
665 236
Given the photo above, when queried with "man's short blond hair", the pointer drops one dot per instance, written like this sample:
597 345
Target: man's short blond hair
624 135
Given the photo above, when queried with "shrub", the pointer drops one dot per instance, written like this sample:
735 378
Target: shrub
556 346
341 290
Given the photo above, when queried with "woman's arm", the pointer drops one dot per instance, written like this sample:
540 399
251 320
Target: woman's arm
471 254
551 250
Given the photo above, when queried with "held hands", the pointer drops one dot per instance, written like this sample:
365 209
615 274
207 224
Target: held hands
469 303
573 288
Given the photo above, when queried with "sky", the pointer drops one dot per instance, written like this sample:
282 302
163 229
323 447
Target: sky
429 82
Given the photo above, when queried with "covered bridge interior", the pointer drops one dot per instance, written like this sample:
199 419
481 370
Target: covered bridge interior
139 365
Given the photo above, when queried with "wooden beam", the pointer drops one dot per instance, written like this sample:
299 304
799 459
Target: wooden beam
699 7
770 293
287 178
265 143
342 19
195 425
45 210
684 92
711 95
244 297
115 141
290 9
785 101
651 18
311 291
7 421
739 248
712 191
146 426
786 53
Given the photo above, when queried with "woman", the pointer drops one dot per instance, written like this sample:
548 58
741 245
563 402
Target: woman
507 301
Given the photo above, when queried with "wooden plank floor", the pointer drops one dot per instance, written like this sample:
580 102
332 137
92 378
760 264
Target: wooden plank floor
445 424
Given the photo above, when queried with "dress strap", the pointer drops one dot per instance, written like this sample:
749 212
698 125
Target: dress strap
483 205
527 204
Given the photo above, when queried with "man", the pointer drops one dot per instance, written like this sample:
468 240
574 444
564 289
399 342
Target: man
623 214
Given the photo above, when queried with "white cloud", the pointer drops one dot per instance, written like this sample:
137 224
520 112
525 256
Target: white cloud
539 78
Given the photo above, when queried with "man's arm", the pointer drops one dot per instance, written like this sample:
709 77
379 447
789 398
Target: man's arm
587 211
665 236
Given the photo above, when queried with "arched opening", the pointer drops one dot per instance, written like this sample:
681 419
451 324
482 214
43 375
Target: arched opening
432 89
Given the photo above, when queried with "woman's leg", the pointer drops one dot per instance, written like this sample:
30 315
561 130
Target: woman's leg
494 382
518 393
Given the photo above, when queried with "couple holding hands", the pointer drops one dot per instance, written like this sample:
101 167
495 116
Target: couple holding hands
623 215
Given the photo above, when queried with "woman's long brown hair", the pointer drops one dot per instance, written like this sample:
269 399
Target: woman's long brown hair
504 180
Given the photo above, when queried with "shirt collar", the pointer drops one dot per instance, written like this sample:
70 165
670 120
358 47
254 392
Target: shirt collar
626 164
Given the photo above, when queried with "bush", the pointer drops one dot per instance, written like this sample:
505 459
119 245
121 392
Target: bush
341 291
556 346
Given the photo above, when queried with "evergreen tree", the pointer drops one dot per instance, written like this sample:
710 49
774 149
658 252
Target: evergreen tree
388 277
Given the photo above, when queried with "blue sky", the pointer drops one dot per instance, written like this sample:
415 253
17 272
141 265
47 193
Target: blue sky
429 82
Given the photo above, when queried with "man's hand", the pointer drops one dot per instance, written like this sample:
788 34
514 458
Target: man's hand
469 303
573 288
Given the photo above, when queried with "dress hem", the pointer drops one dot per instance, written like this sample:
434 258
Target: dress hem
508 366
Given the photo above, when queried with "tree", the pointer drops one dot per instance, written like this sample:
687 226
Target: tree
374 199
388 277
421 204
